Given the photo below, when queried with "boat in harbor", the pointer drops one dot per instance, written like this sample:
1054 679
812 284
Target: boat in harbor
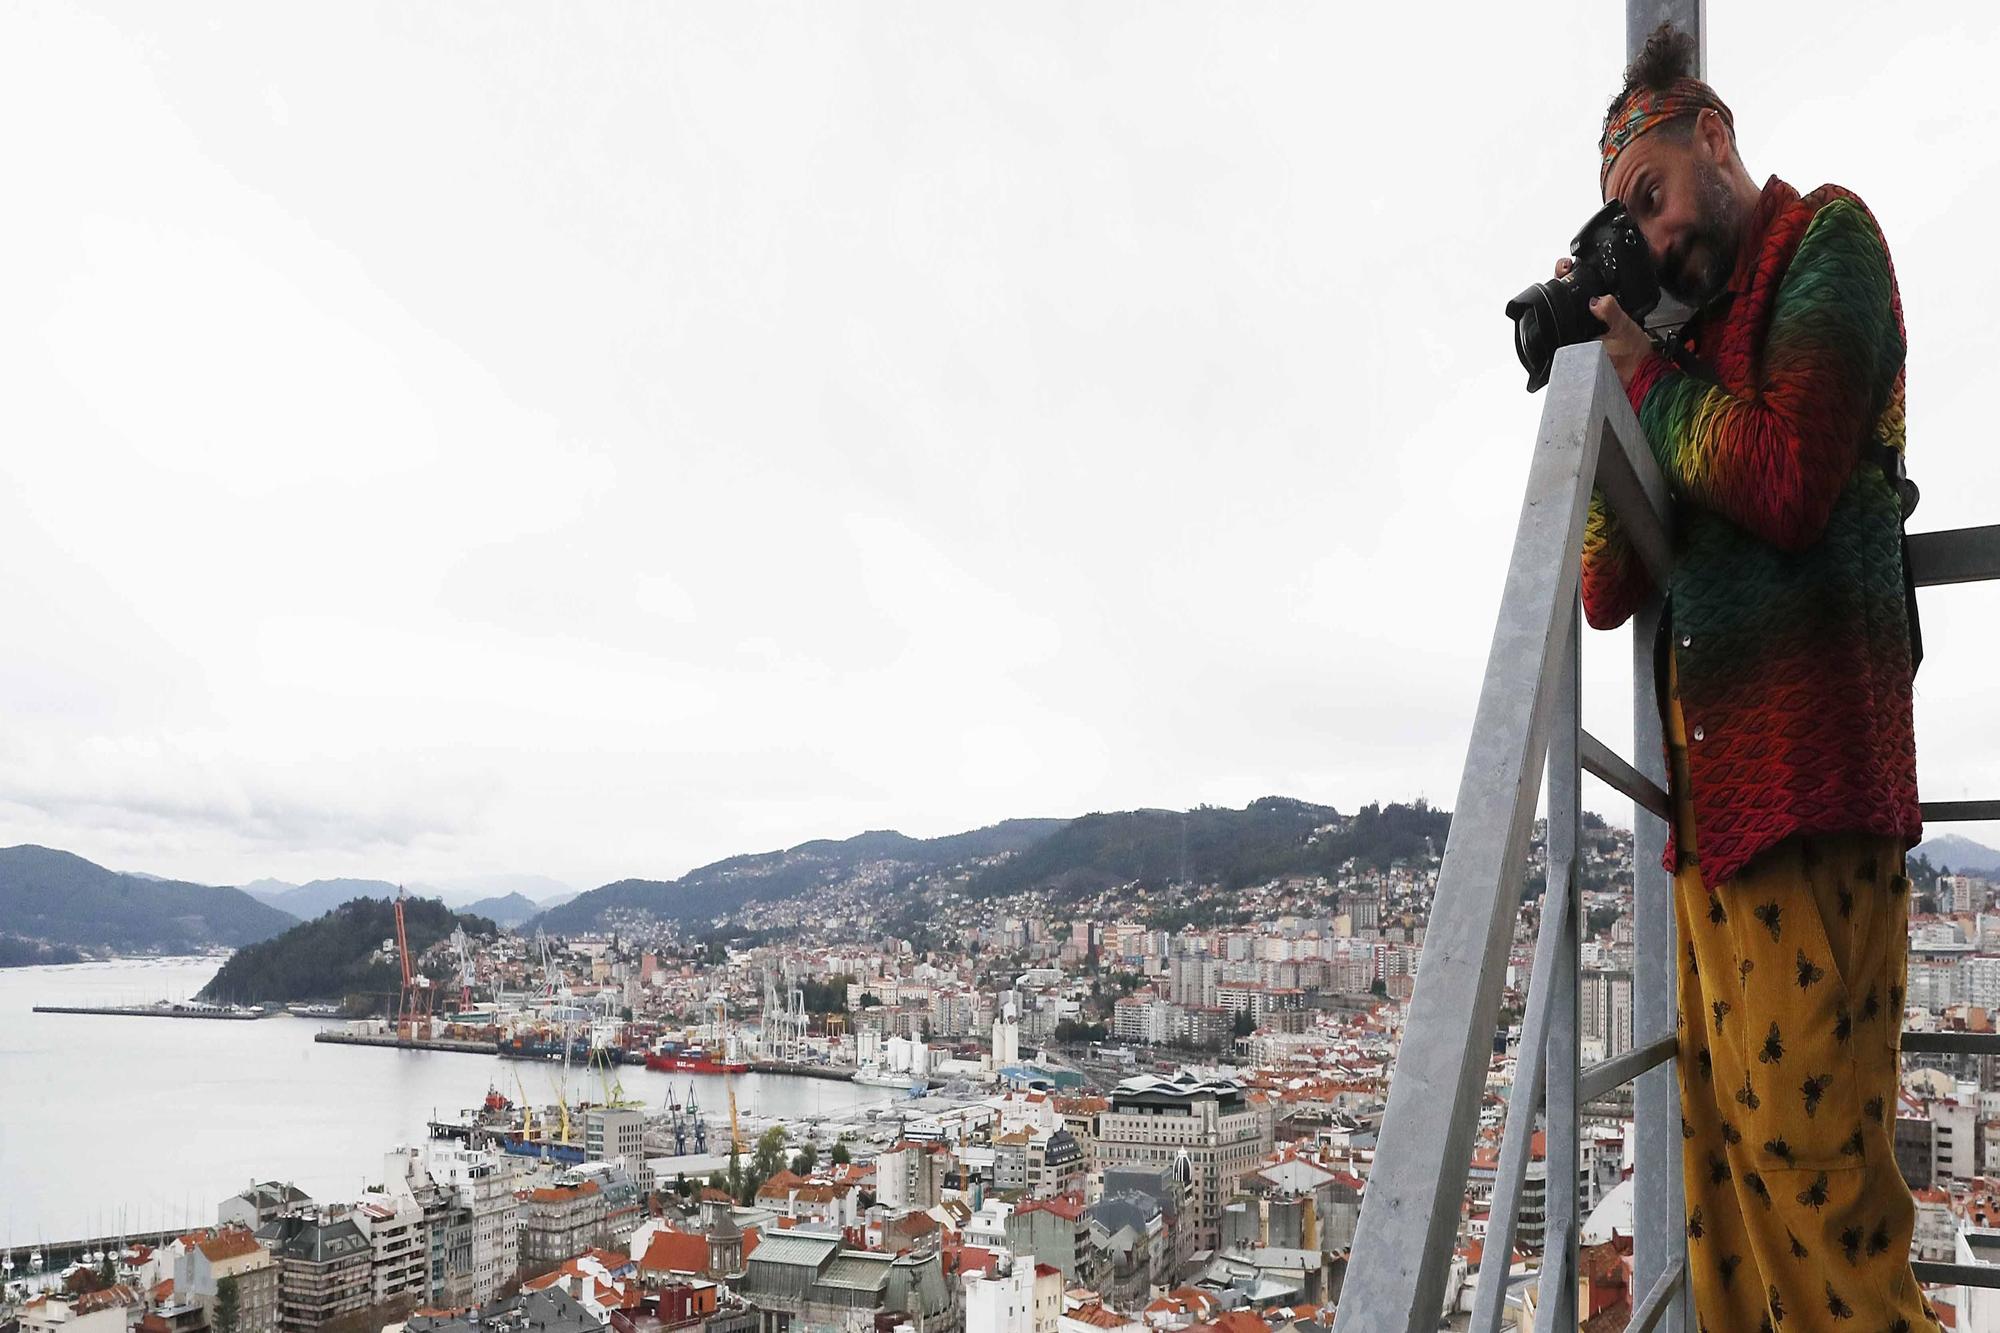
672 1057
538 1046
302 1010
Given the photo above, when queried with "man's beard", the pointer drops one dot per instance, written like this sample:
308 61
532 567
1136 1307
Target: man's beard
1695 282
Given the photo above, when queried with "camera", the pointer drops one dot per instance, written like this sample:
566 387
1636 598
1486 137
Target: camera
1611 260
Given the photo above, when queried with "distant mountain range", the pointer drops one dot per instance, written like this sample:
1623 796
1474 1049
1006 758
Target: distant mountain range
1961 854
61 898
497 896
317 898
509 911
1067 858
713 890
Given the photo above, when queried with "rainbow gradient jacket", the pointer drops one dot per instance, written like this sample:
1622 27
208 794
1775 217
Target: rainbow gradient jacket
1786 609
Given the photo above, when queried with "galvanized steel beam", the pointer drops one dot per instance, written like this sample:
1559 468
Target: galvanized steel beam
1409 1217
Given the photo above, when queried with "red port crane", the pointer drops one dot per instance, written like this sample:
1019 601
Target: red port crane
413 1018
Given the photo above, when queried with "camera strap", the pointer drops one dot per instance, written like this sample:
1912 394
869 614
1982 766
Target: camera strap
1672 344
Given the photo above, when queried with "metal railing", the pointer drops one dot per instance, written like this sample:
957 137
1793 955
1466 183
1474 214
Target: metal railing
1527 718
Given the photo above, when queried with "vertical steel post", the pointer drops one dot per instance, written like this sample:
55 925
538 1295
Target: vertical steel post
1659 1210
1643 16
1556 1303
1659 1220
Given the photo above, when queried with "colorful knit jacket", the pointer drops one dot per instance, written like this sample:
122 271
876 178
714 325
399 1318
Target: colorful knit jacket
1785 611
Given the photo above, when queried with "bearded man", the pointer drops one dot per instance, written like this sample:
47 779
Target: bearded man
1785 662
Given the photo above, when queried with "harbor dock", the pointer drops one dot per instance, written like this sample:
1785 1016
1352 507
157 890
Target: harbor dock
390 1039
160 1010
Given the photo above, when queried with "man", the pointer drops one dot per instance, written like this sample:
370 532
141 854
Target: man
1786 661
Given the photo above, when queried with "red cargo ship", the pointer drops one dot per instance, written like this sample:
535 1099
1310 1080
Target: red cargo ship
692 1060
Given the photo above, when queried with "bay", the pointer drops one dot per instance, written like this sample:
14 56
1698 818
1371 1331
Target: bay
111 1124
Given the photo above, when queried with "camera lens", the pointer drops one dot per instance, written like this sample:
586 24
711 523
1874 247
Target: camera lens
1537 332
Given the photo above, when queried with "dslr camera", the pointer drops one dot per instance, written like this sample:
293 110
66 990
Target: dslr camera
1611 260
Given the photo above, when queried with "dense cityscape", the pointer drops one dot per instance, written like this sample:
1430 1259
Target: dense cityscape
1140 1109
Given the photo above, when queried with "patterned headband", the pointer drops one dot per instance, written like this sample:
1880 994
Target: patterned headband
1645 110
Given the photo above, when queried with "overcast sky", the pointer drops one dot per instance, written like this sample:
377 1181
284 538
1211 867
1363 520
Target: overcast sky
591 440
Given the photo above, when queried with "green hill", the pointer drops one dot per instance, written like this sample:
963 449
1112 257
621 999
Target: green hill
61 898
725 885
335 956
1270 837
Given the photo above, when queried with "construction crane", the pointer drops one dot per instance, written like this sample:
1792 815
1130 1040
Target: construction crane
413 1020
735 1135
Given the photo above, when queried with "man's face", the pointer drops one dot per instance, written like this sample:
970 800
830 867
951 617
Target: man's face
1681 199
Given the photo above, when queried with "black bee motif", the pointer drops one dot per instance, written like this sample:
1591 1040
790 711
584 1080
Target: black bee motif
1871 1005
1813 1196
1728 1269
1813 1089
1873 1109
1748 1095
1716 915
1687 1130
1693 967
1770 914
1843 1024
1694 1227
1743 971
1718 1169
1706 1063
1764 1324
1730 1135
1774 1047
1798 1250
1900 1326
1850 1244
1810 973
1779 1149
1846 896
1756 1183
1878 1239
1895 999
1835 1306
1777 1304
1719 1008
1854 1146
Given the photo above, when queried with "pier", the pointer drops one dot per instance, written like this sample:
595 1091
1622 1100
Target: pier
391 1040
160 1010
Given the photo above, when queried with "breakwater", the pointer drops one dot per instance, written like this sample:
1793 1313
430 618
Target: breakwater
157 1011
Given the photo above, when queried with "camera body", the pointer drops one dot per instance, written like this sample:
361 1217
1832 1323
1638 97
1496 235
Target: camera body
1611 260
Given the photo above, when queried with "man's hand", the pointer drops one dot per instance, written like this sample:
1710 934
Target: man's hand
1624 340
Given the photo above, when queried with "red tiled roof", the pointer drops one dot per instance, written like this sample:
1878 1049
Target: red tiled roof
230 1243
1067 1206
561 1193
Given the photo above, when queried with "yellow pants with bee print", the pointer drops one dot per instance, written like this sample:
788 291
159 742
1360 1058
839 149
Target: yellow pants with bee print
1790 1013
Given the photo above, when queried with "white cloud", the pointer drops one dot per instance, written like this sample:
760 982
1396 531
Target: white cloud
594 441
